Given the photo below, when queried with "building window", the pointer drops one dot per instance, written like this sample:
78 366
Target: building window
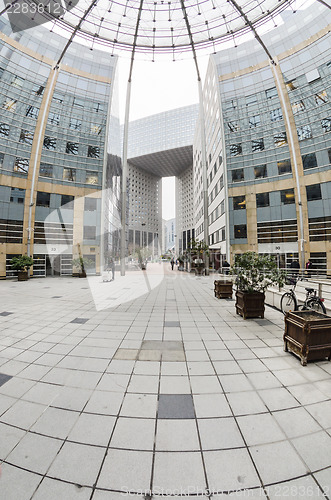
72 148
69 174
58 97
26 137
38 89
97 107
67 201
235 149
326 125
260 171
79 103
262 200
2 156
271 93
321 98
304 132
240 231
89 232
276 115
10 105
75 124
17 82
17 195
329 154
287 197
91 178
93 152
54 118
314 192
4 130
292 85
309 161
46 170
239 203
238 175
90 204
254 121
95 129
32 112
43 199
21 165
284 167
298 106
49 143
231 104
233 126
251 99
280 139
258 144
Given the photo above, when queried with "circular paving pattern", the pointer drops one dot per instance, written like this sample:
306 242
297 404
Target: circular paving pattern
169 394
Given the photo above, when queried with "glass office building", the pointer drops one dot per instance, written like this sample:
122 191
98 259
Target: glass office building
59 146
268 141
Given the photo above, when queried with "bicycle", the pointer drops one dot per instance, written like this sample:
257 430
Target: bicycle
289 302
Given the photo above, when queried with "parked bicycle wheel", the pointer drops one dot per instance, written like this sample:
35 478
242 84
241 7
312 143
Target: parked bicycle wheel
288 303
317 305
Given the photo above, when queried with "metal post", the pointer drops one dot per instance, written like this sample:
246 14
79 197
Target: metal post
125 175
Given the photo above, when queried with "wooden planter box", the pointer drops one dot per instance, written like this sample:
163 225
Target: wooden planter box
308 335
250 305
223 289
22 275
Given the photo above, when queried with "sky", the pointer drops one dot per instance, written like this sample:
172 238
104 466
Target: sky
158 87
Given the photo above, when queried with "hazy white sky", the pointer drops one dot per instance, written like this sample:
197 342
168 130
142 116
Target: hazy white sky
159 86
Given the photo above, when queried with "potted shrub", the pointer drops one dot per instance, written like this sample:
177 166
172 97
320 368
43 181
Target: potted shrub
199 253
22 264
254 273
80 264
308 335
223 289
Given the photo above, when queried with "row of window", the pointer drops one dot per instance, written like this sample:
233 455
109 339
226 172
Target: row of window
284 167
43 199
59 98
21 166
286 197
320 98
280 139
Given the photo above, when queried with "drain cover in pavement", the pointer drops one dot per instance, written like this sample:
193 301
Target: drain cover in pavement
79 320
171 323
4 378
176 406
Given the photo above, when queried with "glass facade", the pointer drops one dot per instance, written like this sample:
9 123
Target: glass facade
55 127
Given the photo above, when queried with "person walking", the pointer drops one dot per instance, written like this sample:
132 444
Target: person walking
172 262
112 268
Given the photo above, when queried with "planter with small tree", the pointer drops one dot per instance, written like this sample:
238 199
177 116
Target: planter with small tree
199 252
22 264
80 265
254 273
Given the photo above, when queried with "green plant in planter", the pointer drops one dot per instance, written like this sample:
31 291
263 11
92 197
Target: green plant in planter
254 274
80 263
21 264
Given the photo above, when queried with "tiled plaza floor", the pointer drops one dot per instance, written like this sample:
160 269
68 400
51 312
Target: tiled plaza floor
170 393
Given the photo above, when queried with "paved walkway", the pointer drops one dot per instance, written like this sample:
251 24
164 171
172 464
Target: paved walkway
169 393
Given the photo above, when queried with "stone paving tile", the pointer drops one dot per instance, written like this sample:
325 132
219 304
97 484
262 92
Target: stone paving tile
182 390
